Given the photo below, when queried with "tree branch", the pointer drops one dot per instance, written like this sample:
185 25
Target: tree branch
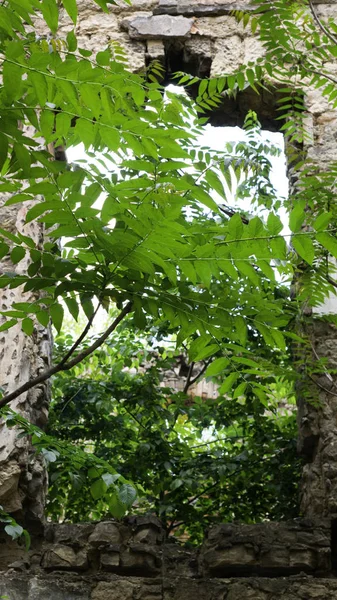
188 379
320 24
321 387
81 338
207 363
230 213
65 366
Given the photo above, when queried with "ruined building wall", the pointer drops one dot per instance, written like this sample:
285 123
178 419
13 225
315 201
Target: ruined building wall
23 481
96 562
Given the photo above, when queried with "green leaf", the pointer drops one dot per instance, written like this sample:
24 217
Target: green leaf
127 494
27 326
274 224
228 384
110 479
296 218
3 149
56 314
117 508
17 254
304 247
43 317
14 531
71 41
176 483
98 489
322 221
71 8
329 242
50 14
72 307
218 365
8 324
235 227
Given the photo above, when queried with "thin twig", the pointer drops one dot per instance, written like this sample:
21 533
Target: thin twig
320 24
230 213
322 387
62 366
82 336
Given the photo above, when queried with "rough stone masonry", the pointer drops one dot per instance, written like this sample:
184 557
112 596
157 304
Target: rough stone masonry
129 561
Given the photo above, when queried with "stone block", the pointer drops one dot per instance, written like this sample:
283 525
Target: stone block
105 533
140 560
234 557
179 562
218 27
267 549
155 50
109 561
114 590
228 53
67 533
158 27
61 557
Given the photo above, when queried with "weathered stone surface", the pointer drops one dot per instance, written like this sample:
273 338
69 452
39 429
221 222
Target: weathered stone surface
267 548
23 478
105 532
10 498
140 559
161 26
61 557
109 561
121 590
68 533
251 588
199 7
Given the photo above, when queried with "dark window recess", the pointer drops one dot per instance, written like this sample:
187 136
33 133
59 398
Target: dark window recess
179 56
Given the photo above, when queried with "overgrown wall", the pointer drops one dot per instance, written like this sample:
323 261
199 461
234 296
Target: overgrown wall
130 561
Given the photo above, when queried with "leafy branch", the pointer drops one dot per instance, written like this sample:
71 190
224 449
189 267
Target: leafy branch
63 365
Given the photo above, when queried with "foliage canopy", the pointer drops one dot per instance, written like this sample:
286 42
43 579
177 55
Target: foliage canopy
143 236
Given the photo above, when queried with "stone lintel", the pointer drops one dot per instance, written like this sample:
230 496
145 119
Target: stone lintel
158 27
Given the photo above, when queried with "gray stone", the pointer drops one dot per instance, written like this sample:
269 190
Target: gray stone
105 532
158 27
64 557
138 560
121 590
109 561
198 8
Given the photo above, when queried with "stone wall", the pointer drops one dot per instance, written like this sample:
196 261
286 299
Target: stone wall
23 481
131 560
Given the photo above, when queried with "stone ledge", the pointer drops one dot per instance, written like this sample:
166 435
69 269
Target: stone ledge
158 27
266 549
111 587
136 547
201 8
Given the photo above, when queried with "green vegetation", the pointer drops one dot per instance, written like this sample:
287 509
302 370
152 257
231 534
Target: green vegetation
160 255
